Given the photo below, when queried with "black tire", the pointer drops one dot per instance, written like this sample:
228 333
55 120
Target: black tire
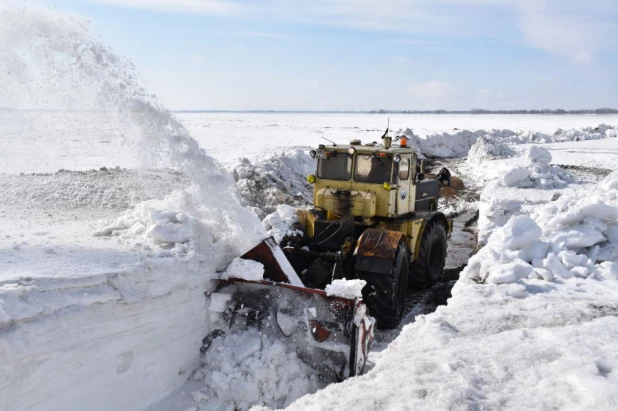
429 265
385 294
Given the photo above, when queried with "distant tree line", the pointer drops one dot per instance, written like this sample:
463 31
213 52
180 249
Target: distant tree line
545 111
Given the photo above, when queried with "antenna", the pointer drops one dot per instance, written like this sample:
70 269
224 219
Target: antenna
332 142
388 123
387 140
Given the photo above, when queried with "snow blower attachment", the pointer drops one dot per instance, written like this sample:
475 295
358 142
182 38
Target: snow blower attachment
331 334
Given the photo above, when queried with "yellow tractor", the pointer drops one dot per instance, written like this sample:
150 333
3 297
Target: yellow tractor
374 218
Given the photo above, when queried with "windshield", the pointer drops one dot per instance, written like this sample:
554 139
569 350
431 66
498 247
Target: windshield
370 169
338 167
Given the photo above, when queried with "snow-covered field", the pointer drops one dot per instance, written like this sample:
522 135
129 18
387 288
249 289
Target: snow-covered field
86 140
112 292
103 271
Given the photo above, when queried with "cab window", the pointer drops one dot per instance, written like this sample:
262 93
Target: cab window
337 167
372 169
404 169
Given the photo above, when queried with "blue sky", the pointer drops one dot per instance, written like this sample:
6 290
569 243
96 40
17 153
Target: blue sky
366 54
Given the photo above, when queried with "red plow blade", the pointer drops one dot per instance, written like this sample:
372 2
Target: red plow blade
331 334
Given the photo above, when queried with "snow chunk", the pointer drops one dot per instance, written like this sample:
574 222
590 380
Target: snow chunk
610 182
245 270
608 253
279 223
346 288
218 302
517 233
537 173
612 234
515 176
577 237
538 155
247 368
249 347
509 273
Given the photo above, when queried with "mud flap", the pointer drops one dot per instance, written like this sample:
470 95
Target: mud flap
376 250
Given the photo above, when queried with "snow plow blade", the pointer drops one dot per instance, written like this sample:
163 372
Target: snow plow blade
330 334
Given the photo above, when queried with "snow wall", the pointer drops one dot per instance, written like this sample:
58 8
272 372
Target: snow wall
117 340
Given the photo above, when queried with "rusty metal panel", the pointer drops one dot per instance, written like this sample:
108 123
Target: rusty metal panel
411 230
276 266
382 244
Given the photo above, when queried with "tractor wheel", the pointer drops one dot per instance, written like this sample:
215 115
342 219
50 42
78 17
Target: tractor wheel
385 294
429 264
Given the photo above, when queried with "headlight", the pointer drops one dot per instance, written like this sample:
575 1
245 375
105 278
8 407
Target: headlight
311 179
387 186
312 154
396 158
351 150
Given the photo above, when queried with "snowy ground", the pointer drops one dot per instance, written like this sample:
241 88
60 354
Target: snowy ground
103 273
112 293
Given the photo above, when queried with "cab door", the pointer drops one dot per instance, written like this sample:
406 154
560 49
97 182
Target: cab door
404 175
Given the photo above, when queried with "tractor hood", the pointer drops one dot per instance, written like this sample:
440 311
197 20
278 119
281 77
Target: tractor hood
345 202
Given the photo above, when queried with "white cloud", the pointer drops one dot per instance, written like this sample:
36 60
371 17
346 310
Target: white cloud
565 28
183 6
261 34
575 29
433 90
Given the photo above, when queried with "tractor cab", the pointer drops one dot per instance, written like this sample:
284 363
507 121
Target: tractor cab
371 181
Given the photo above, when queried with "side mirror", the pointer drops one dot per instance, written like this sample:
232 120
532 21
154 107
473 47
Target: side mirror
423 167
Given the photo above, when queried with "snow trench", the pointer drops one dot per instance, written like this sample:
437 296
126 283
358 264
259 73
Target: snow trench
530 325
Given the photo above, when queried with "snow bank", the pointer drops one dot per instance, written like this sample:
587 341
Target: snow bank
107 188
572 236
494 143
81 342
487 148
279 179
554 349
502 198
182 226
118 340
